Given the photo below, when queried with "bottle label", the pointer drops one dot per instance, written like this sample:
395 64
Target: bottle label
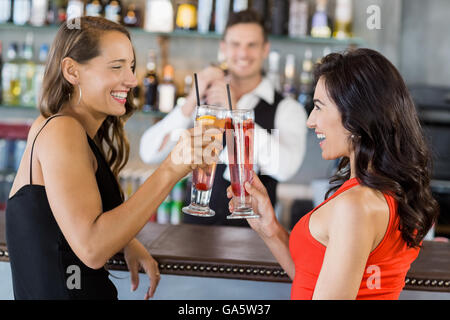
94 9
112 12
166 97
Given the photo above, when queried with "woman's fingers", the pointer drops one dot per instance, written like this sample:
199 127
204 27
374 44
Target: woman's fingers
134 272
152 270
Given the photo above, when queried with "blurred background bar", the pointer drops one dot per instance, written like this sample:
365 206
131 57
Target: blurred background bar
412 34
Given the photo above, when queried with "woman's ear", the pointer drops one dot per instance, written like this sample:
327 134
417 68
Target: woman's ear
70 70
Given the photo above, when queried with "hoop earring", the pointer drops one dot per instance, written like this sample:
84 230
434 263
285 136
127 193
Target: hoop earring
79 99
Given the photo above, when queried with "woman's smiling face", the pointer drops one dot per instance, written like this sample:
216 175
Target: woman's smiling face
106 80
326 120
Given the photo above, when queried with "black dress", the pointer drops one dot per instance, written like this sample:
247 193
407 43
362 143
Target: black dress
42 263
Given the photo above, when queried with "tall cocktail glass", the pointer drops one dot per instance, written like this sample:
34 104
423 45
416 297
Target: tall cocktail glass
203 178
239 129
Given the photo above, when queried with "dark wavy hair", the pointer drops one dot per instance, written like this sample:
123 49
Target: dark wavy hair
79 39
391 154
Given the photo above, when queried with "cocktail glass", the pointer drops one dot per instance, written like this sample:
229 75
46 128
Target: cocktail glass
203 178
239 138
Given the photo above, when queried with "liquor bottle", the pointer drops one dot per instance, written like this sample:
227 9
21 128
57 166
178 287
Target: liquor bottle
320 26
40 70
21 12
5 11
150 84
343 19
186 16
57 12
159 16
113 11
298 18
167 90
289 77
261 6
75 9
204 14
10 76
1 68
221 15
240 5
132 17
186 89
280 17
94 8
306 82
39 10
27 74
274 70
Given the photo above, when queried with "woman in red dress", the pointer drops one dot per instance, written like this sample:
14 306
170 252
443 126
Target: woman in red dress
360 242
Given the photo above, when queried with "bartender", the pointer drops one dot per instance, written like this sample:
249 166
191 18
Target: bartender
280 123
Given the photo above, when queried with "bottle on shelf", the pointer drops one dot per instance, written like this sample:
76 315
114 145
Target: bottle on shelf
240 5
132 16
10 76
261 6
343 19
306 82
186 16
21 12
274 70
204 15
39 9
289 77
5 11
280 17
221 15
320 24
186 89
298 18
40 70
75 9
27 74
159 16
94 8
167 90
113 11
150 84
57 12
1 68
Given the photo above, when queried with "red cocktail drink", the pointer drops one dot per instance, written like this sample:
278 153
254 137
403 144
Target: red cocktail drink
239 137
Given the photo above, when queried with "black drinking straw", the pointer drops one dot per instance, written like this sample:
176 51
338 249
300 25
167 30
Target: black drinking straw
229 97
196 89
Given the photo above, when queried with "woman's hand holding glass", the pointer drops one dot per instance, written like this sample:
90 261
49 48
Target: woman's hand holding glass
197 147
266 225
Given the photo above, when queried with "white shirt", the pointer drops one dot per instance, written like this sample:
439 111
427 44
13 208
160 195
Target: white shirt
278 154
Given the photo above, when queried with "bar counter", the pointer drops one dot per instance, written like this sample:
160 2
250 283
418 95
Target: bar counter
239 253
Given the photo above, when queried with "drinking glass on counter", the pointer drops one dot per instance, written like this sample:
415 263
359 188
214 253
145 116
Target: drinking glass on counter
239 138
203 178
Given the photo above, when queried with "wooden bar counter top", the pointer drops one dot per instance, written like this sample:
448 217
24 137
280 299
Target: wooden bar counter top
239 253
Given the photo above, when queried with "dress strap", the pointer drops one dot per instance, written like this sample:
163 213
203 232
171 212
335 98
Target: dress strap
32 147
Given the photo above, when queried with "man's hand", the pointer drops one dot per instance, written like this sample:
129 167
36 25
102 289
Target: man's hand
216 94
206 77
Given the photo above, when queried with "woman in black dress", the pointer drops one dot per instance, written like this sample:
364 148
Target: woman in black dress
66 214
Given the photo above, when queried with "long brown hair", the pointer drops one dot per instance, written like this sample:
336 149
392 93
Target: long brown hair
391 154
80 40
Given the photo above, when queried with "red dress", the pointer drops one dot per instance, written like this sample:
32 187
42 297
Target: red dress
386 267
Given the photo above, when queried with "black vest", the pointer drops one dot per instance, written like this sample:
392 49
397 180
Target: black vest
265 118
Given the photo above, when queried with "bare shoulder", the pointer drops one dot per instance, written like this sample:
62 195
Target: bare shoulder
64 139
360 205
